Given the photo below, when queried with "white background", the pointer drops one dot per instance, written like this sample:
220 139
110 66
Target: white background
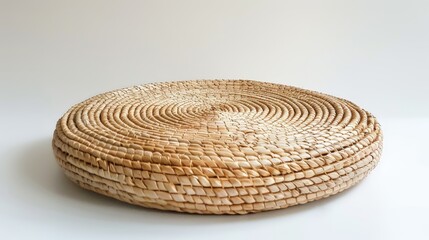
54 54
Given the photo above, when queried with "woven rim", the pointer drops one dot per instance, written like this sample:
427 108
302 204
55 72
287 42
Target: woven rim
217 146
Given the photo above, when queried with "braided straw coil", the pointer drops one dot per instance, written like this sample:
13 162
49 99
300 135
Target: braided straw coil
217 146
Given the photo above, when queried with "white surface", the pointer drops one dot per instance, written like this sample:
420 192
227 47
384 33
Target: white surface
56 53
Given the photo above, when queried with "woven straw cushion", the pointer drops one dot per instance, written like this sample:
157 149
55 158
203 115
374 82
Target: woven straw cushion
217 146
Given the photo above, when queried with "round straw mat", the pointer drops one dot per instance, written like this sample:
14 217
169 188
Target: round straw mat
217 146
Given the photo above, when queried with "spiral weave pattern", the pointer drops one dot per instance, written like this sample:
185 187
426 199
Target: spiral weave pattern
217 146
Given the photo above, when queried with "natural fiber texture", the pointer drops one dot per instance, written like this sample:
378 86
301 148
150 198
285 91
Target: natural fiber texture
217 146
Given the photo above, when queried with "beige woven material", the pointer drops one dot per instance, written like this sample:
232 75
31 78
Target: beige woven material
217 146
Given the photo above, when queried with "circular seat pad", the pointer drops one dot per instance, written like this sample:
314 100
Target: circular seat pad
216 146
